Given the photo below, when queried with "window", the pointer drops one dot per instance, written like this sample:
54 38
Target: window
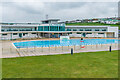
55 33
100 33
14 33
33 33
2 30
70 33
68 29
46 28
78 33
4 34
88 29
61 28
53 28
96 29
104 30
15 30
74 29
24 34
89 33
80 29
28 29
40 28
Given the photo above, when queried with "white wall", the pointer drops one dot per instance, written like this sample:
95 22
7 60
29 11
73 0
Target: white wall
8 36
32 35
114 29
15 36
0 31
95 35
0 28
29 35
101 35
74 34
88 35
64 37
5 37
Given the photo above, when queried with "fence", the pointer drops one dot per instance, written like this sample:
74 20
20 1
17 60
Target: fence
8 49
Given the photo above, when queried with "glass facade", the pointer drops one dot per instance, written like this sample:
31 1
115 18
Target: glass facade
40 28
18 29
61 28
51 28
46 28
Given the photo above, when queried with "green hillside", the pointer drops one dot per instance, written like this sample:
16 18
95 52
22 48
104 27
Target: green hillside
93 24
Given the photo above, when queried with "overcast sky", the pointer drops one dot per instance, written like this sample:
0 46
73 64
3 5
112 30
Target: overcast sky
36 11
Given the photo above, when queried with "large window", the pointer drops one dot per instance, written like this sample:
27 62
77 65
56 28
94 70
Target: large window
96 29
40 28
70 33
78 33
61 28
100 33
74 29
14 33
104 30
53 28
4 34
33 33
68 29
89 33
46 28
28 29
2 30
88 29
80 29
24 34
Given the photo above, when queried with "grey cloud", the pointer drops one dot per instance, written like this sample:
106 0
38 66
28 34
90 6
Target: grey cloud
64 5
34 12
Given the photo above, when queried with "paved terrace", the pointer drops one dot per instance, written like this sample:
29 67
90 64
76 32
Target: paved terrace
8 50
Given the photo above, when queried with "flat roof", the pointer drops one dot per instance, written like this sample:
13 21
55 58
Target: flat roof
51 20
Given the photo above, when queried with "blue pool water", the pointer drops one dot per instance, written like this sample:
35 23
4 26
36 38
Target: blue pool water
71 42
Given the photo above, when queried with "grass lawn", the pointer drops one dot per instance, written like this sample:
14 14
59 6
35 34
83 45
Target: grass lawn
93 24
82 65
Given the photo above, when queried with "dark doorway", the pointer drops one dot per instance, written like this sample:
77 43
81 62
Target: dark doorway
84 34
20 35
35 28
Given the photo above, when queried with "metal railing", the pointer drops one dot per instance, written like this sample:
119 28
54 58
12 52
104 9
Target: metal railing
10 51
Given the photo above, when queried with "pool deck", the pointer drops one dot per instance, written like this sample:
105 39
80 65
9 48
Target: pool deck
19 40
9 51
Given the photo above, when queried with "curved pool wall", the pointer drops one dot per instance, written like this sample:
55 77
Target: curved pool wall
71 42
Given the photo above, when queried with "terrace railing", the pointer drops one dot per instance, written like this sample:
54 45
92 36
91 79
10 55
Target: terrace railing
8 50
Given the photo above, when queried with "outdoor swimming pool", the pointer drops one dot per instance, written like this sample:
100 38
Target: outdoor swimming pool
71 42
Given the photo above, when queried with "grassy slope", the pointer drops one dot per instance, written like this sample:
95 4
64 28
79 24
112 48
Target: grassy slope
93 24
83 65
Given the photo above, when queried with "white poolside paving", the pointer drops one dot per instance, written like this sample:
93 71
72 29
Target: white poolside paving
8 50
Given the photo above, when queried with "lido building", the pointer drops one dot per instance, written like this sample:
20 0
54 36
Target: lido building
52 28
